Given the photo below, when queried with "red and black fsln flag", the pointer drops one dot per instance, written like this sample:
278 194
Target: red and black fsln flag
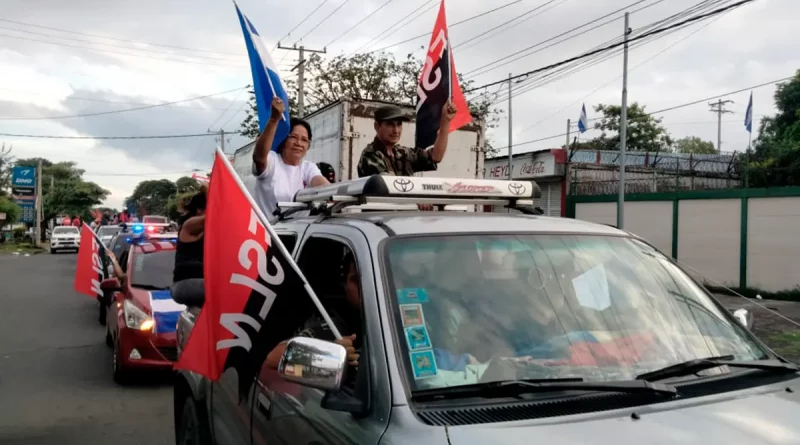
437 84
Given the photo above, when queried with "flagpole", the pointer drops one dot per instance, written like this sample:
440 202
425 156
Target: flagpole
747 160
276 242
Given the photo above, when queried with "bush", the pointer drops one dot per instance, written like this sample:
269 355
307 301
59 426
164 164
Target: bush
20 235
11 209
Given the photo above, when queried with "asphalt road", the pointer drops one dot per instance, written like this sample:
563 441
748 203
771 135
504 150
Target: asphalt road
55 369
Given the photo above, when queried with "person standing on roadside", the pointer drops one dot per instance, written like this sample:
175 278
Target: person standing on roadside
384 155
283 173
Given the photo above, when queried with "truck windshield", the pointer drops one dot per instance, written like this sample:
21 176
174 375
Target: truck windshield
481 308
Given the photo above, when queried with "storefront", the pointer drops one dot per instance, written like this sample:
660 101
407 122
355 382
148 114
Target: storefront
546 167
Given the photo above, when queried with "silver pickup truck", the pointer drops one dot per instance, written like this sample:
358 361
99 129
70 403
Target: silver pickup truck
497 328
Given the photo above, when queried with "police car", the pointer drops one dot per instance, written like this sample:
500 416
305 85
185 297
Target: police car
493 328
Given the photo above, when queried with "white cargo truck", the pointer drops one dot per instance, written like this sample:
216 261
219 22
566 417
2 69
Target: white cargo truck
342 129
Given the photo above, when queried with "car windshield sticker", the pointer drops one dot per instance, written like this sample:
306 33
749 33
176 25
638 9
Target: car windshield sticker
412 314
411 295
591 288
417 338
423 364
165 311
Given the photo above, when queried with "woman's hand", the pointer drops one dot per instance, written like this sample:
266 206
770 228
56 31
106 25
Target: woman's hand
352 355
278 107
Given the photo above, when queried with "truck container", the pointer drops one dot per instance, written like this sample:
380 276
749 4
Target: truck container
342 129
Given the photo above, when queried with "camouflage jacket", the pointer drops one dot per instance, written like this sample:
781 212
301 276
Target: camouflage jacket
405 161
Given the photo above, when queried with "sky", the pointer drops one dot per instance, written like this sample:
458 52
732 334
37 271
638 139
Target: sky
93 56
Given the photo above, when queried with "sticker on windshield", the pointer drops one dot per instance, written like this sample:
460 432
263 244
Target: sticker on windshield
424 364
591 289
417 338
411 295
412 314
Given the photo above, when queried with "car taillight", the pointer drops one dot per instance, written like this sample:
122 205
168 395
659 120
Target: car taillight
151 228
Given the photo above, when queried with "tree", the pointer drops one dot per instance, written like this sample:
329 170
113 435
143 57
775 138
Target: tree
693 144
6 160
151 197
644 132
776 152
64 191
11 209
370 76
186 184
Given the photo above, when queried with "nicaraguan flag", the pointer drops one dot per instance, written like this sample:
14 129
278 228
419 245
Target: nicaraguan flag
165 311
748 115
583 122
266 82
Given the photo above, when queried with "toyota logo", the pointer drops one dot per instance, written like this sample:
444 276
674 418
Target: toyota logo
403 185
516 188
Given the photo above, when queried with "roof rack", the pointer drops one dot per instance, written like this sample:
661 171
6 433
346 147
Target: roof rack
380 192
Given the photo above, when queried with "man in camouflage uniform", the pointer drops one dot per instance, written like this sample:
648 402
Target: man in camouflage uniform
385 156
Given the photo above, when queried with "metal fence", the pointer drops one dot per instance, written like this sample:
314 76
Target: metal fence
597 172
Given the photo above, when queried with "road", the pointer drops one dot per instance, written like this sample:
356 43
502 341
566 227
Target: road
55 369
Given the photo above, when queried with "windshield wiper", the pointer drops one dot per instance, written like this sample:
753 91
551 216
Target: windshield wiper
513 388
148 287
701 364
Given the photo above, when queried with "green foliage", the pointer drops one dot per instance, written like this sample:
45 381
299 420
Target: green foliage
11 209
6 162
65 191
372 76
173 204
151 197
187 184
776 152
694 144
644 132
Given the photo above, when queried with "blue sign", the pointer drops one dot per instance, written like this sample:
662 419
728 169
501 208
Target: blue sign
28 210
23 177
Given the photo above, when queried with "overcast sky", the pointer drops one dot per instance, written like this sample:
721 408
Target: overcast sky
146 52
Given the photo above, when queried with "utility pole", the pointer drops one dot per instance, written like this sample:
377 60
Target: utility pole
569 124
301 73
623 129
221 137
38 204
719 108
510 130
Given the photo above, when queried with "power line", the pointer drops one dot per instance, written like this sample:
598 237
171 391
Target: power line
466 20
323 20
465 44
398 25
615 45
664 110
196 62
301 22
386 3
114 38
119 111
142 174
111 44
166 136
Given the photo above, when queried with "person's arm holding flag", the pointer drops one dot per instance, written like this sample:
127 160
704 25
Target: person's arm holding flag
440 146
264 141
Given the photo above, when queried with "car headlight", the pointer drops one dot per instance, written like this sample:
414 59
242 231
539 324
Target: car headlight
135 318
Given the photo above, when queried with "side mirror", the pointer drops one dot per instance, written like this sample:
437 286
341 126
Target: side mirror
744 317
314 363
110 284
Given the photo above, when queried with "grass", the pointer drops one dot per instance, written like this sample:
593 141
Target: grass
786 343
10 247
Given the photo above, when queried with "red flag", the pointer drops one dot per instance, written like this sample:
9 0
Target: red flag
247 282
89 271
439 82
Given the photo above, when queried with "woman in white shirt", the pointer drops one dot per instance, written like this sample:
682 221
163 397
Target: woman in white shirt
280 175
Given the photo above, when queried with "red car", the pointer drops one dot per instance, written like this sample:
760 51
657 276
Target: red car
142 319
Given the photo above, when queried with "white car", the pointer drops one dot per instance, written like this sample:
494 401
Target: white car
65 237
106 233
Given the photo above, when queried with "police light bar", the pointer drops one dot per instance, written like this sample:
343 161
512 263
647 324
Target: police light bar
424 188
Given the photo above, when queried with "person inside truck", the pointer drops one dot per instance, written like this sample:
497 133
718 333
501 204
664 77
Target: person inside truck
385 156
281 174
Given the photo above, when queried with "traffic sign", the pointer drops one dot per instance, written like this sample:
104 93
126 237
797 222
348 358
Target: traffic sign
23 176
28 210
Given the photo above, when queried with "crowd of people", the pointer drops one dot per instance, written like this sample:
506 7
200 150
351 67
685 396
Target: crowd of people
104 218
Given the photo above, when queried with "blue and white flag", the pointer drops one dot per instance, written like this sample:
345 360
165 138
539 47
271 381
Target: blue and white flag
583 122
266 81
165 311
748 115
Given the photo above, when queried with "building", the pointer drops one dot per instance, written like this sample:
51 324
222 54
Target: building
547 167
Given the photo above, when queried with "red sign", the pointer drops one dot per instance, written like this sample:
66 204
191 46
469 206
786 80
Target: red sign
89 270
